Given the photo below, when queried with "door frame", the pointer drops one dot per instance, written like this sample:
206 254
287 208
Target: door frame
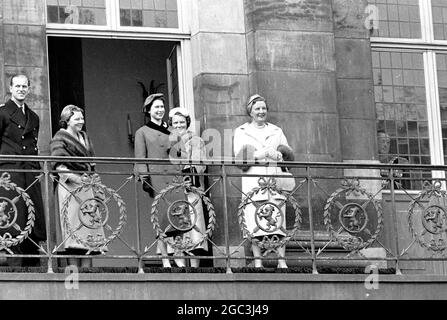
182 35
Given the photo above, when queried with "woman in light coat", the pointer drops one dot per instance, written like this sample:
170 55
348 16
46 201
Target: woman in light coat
259 140
188 146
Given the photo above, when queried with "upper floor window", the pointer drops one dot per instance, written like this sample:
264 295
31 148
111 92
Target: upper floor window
409 41
149 13
114 14
439 10
89 12
397 18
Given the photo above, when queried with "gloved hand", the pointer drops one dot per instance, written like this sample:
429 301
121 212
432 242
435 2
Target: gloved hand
274 155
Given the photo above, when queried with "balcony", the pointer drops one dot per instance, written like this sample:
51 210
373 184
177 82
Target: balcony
348 226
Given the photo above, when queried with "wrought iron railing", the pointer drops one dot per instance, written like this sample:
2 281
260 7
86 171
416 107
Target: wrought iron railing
354 214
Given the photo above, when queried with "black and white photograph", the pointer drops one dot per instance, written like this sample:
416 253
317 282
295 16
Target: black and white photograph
223 157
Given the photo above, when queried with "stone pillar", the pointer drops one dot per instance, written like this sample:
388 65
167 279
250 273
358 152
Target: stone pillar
23 50
219 61
292 64
355 95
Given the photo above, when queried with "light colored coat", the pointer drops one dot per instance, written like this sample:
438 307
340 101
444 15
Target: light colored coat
191 147
246 137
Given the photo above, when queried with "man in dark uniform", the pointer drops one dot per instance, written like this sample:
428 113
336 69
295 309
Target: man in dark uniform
19 129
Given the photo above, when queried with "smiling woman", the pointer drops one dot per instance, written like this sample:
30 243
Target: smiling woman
261 141
71 141
152 141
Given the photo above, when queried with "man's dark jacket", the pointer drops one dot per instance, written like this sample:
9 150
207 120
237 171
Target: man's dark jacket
18 136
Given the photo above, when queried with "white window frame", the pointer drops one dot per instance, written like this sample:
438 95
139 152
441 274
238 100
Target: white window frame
428 46
182 35
113 22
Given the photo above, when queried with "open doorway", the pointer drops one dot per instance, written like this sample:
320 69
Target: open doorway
109 79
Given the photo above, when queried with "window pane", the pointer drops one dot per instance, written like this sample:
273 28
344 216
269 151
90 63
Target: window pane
88 12
149 13
396 19
401 110
441 67
439 10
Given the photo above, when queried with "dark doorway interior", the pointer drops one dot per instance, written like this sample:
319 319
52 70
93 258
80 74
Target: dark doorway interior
66 77
108 79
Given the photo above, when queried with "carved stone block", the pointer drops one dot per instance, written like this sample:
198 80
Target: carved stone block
297 91
296 15
353 58
294 51
355 99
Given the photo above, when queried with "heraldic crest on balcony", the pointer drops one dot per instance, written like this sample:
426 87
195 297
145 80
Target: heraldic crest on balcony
269 203
349 215
174 223
94 214
427 218
8 215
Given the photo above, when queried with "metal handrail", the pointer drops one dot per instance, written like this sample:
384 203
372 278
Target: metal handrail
311 181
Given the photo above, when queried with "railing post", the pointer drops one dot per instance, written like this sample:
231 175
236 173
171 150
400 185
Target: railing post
311 222
47 215
137 212
394 212
226 227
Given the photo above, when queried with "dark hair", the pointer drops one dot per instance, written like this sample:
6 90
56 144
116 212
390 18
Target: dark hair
147 108
187 118
18 75
67 113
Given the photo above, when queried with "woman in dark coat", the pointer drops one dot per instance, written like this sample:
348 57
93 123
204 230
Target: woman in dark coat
152 141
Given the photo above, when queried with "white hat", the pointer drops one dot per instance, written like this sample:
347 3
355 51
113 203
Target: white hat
183 111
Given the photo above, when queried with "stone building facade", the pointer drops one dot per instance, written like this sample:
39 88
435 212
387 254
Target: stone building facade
321 65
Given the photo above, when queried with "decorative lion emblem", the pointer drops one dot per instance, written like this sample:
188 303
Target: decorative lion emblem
5 216
91 211
434 219
270 214
181 211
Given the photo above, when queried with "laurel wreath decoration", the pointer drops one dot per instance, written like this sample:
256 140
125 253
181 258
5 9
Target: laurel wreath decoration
93 182
7 240
182 245
269 244
351 241
437 243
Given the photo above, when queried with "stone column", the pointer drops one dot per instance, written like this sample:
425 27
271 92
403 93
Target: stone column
292 64
219 61
355 95
23 50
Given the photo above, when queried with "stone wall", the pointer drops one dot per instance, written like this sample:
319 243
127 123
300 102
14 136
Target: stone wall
221 87
291 45
355 96
310 59
23 50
